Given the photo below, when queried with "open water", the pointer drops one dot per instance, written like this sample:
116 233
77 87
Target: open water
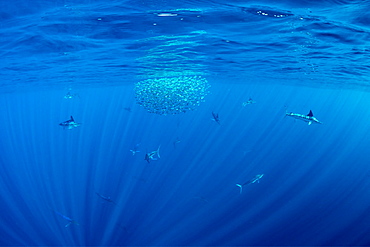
79 184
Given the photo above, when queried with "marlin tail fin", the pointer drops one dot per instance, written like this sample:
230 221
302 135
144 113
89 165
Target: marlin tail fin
158 151
241 187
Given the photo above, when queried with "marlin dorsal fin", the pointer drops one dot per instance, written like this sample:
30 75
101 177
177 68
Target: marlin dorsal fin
72 119
310 114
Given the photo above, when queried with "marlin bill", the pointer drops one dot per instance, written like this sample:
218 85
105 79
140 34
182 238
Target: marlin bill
309 118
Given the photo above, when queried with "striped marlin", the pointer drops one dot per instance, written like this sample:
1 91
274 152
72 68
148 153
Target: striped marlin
70 221
70 124
252 181
150 156
106 198
307 118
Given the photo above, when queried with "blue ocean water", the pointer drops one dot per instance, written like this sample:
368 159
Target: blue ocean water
83 186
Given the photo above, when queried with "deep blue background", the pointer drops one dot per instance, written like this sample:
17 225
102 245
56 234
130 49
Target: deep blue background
298 56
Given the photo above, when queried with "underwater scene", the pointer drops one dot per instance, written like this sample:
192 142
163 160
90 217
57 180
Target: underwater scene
185 123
